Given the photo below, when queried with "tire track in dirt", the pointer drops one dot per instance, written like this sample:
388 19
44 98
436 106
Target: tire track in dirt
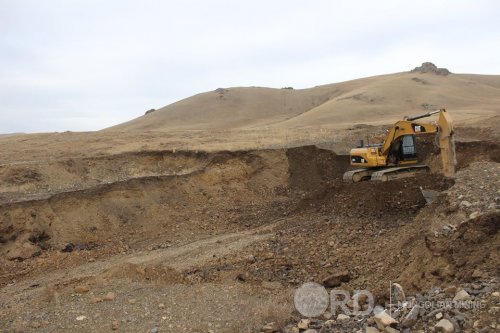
177 258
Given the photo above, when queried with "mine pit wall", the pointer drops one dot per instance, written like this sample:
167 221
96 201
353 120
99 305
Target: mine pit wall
38 178
199 190
225 189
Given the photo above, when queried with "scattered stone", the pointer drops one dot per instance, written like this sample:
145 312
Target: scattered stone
80 318
291 329
95 299
132 301
444 326
473 215
81 289
462 295
270 328
439 316
496 294
154 330
110 296
161 306
68 247
383 319
251 259
336 279
397 293
342 317
451 290
412 317
494 310
329 323
311 330
478 274
115 325
372 330
465 203
327 315
304 324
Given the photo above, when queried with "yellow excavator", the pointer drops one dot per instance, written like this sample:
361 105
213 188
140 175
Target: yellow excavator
396 156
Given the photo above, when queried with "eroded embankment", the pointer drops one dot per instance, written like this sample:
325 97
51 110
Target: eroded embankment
158 199
207 192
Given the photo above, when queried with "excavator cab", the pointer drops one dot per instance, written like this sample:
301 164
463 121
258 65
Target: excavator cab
403 150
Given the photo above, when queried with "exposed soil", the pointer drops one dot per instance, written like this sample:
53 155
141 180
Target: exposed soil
200 241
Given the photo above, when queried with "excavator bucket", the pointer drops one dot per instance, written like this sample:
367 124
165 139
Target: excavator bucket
447 144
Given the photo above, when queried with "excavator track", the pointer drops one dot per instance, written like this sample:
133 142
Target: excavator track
398 172
357 175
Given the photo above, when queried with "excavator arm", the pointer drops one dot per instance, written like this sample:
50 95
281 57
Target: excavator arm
408 127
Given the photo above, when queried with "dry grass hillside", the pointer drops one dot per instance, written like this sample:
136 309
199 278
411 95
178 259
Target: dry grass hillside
374 100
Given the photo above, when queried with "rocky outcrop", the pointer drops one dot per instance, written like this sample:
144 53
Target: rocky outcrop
429 67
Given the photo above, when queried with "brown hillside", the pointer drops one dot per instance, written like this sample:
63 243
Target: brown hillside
373 100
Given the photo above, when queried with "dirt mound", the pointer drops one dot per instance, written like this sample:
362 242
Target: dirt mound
312 169
456 229
470 252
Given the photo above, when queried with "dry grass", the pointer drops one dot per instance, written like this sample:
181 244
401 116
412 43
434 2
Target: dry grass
275 309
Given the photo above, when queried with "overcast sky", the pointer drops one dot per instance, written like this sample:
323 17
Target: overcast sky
89 64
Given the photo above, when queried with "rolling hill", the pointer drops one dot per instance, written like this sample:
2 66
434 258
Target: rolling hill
372 100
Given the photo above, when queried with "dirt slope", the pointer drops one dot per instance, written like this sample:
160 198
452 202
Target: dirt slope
373 100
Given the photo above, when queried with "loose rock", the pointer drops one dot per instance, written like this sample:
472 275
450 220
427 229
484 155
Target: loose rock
411 318
304 324
462 295
342 317
383 319
397 293
444 326
110 296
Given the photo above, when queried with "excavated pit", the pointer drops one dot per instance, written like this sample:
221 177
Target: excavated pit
248 217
